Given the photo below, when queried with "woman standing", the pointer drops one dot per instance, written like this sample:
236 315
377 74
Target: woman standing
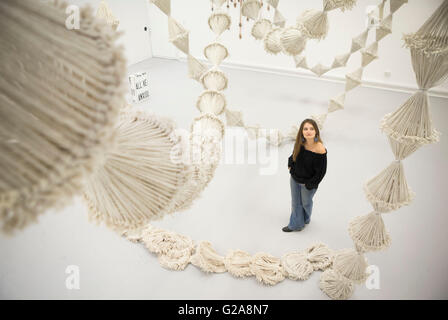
307 166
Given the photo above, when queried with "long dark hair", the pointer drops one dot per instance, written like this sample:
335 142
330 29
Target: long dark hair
300 139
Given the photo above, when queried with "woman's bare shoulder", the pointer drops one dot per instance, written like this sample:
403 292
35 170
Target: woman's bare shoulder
321 148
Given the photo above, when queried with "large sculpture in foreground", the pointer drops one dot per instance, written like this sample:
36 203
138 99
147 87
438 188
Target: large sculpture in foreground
61 91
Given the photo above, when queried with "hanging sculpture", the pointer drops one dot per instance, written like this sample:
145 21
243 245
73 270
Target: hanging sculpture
141 179
314 23
251 9
53 133
272 41
137 180
261 29
106 14
216 53
407 128
354 79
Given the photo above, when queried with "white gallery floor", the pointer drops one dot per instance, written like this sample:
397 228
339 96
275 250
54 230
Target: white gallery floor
243 209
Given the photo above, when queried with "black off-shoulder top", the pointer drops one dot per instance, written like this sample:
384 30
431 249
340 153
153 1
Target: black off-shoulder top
309 168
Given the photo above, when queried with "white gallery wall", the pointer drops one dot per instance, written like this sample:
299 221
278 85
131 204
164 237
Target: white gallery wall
133 17
248 52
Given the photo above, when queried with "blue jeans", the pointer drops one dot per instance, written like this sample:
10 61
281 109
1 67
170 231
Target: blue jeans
302 205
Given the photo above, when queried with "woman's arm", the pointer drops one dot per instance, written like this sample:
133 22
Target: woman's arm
320 168
290 163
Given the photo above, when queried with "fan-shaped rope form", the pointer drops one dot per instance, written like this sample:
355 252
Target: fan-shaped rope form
293 41
211 102
369 233
353 79
195 68
208 125
339 4
267 268
251 8
396 4
411 123
340 60
389 189
430 69
238 263
178 35
253 132
402 150
320 69
215 53
297 266
351 264
335 285
275 137
369 54
273 3
292 133
202 154
410 126
176 260
279 19
157 240
106 14
218 3
206 135
234 118
260 28
134 235
219 22
174 250
141 177
320 256
336 103
320 119
359 41
313 24
214 79
432 37
300 62
164 5
384 28
53 133
272 42
207 259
